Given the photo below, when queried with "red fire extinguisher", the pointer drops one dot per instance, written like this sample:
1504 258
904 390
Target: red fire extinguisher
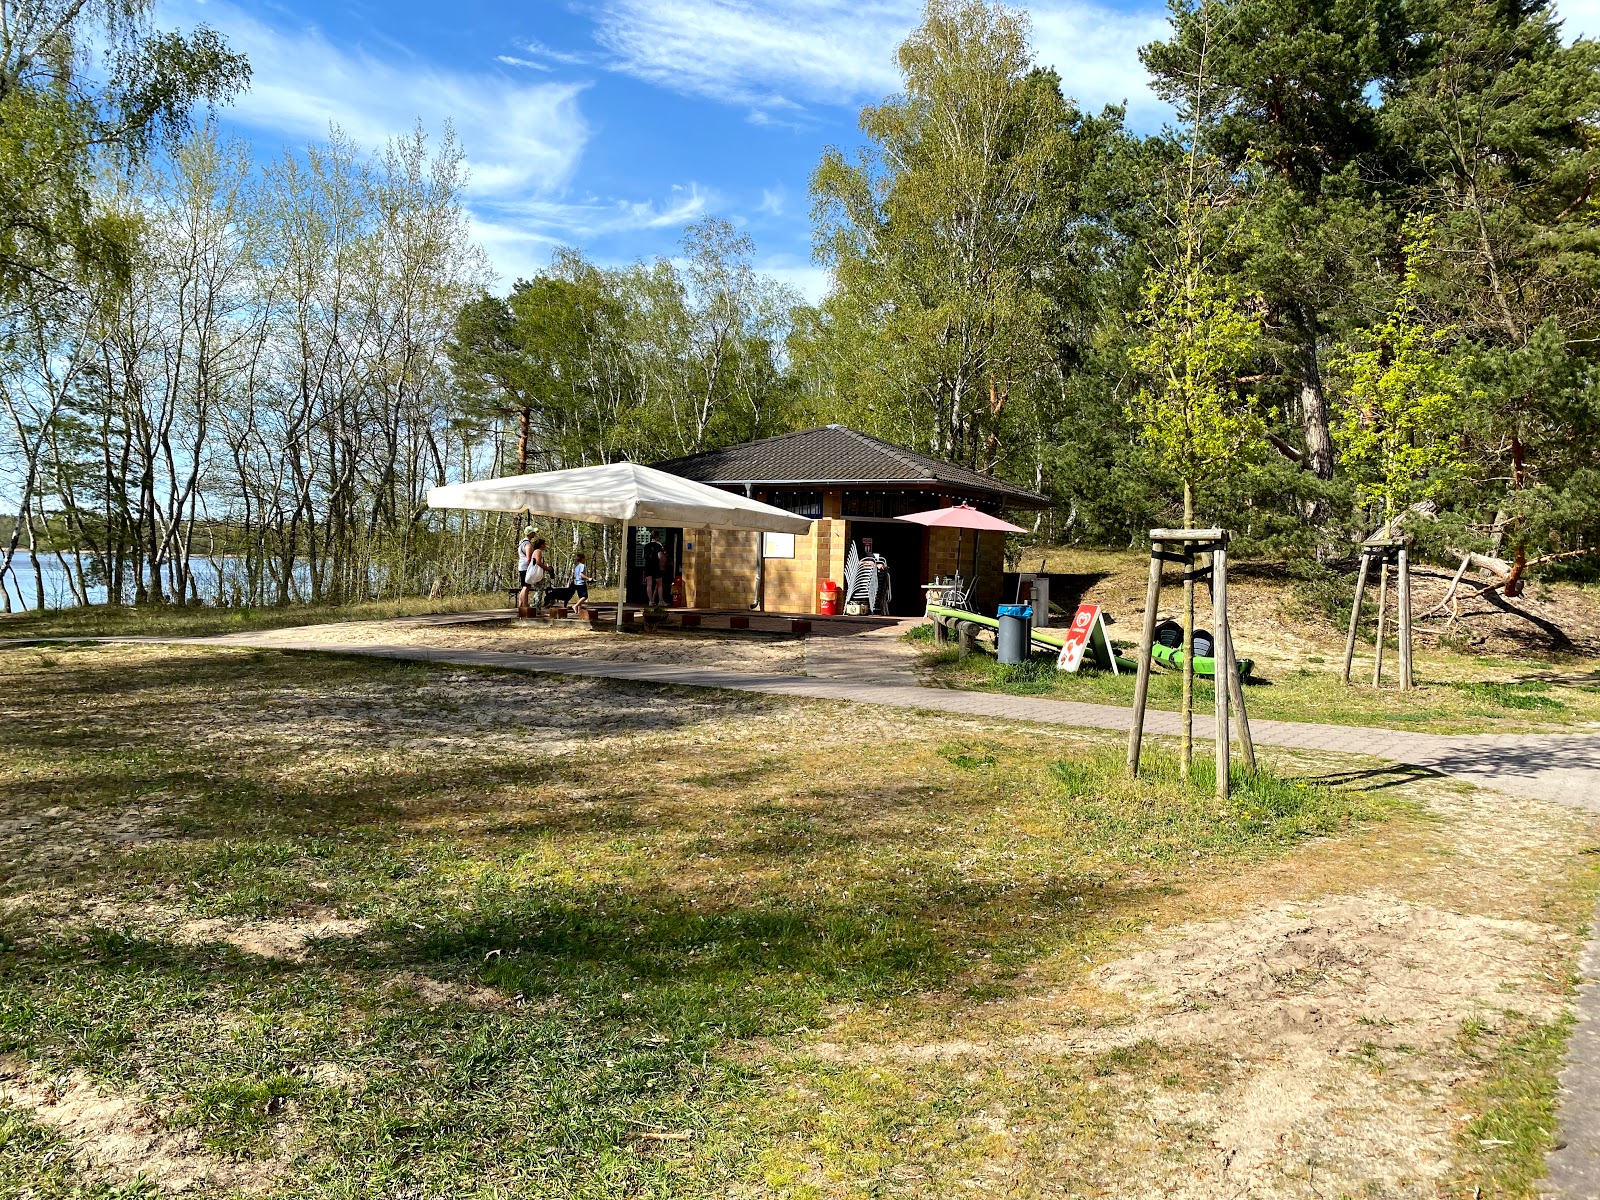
677 592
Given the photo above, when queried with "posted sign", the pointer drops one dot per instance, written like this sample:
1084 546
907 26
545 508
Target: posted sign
1087 630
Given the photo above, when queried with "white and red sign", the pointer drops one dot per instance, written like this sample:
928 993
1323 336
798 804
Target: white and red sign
1087 629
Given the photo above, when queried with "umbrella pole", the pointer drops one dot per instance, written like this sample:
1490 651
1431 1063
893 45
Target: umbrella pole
622 573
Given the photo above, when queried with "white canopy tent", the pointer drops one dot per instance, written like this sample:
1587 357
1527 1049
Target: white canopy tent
622 492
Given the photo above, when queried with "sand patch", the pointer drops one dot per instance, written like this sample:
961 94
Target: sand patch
1340 971
288 938
758 653
117 1135
434 992
1335 1022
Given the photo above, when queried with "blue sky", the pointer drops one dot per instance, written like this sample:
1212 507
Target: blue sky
610 124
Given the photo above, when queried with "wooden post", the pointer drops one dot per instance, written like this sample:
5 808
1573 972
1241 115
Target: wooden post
1403 582
1141 688
1241 718
1383 611
1186 747
1219 660
964 632
939 636
1355 615
622 573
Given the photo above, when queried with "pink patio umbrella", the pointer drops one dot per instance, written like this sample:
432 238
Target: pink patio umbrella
962 517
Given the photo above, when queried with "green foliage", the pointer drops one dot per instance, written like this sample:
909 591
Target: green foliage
1400 433
1197 339
969 250
62 120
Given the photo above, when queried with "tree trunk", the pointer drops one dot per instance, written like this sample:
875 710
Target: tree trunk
1186 754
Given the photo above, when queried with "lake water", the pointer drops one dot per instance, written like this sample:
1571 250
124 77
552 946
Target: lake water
58 593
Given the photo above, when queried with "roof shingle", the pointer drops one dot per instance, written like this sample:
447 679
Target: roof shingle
836 455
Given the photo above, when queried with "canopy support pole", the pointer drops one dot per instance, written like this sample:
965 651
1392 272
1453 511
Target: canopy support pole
622 573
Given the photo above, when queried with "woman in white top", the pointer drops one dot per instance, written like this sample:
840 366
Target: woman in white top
530 566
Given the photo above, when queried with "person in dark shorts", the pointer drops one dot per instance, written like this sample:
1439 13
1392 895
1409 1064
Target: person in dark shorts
580 579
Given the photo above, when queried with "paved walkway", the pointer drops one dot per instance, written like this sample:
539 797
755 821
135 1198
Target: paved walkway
1564 768
1561 767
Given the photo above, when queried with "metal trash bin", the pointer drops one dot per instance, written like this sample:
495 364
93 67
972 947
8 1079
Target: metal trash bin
1016 632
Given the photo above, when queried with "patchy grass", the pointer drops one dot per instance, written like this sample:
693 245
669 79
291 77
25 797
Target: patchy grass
1307 693
172 620
1505 1140
360 928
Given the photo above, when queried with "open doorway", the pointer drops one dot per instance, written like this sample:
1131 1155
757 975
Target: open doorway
904 546
642 538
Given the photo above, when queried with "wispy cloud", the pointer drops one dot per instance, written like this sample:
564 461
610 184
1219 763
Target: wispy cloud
571 58
1095 50
518 136
771 54
594 216
758 54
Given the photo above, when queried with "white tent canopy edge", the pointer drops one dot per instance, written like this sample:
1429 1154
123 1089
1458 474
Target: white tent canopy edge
626 493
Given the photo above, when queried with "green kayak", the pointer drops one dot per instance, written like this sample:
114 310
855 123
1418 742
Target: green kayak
1171 657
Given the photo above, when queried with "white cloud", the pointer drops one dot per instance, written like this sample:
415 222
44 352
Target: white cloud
518 136
768 55
593 216
1096 52
759 54
772 201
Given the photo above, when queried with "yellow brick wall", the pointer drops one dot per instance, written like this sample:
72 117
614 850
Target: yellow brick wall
991 562
720 572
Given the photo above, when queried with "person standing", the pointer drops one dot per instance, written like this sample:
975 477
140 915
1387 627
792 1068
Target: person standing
524 562
654 555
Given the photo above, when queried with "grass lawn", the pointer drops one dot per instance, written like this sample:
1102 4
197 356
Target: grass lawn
301 925
1476 696
206 620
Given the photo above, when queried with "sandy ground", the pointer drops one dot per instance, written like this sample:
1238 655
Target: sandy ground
764 653
1329 994
1272 624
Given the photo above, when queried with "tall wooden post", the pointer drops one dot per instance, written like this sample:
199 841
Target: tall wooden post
1241 718
1403 582
1185 546
1355 615
622 572
1141 687
1220 659
1383 612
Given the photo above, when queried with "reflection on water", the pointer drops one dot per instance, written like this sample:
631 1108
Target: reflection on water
20 583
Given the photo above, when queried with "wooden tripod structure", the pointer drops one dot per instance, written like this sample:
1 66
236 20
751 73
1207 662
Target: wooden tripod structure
1385 552
1186 546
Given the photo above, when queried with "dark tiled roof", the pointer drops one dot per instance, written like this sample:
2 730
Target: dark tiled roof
836 455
